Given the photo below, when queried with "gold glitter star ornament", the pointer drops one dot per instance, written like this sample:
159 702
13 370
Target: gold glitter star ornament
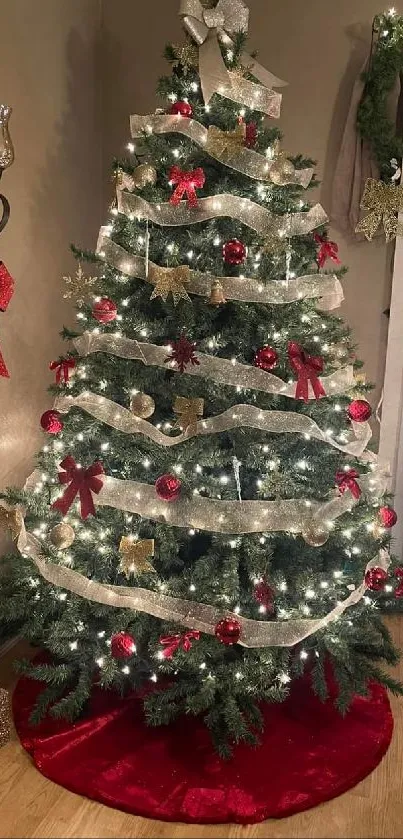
79 288
133 555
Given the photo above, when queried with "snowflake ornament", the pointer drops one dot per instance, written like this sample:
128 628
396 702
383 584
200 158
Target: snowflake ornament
183 353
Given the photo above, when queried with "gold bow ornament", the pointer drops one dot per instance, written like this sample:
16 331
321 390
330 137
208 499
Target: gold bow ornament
169 281
188 410
209 26
384 201
11 520
225 144
133 555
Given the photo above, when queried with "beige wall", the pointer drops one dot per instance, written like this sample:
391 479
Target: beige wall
49 75
319 48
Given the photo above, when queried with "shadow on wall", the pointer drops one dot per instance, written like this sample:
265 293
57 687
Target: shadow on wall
60 184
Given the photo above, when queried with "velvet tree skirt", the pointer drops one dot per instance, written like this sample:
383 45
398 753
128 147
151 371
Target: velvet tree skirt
308 754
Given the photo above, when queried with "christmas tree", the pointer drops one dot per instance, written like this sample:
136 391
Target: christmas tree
206 517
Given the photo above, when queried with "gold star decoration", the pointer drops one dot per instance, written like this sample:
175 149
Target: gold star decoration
225 143
79 287
133 556
189 410
169 281
11 520
186 55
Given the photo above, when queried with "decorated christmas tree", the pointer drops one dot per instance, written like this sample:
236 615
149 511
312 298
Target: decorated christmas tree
206 517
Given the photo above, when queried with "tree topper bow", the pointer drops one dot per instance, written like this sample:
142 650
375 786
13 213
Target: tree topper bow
205 26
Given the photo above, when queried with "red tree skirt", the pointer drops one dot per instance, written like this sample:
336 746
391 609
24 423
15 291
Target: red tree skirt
308 754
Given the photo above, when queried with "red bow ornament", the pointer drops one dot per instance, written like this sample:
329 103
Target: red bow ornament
186 183
173 642
3 369
347 480
307 367
6 287
62 368
80 482
327 250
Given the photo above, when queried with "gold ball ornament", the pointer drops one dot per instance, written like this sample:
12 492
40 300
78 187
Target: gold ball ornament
281 171
62 536
315 535
142 405
144 175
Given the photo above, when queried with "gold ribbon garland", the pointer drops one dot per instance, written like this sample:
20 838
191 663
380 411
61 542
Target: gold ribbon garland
133 556
206 27
169 281
189 410
225 146
189 613
384 201
326 287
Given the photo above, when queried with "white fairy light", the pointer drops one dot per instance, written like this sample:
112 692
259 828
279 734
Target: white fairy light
99 661
73 645
303 654
126 670
130 147
192 587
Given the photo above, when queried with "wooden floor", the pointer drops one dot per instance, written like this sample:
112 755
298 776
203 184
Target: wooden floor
31 806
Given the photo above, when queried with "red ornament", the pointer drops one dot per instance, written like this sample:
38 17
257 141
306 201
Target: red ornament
183 641
186 183
375 579
250 135
347 481
264 594
307 368
182 108
360 410
387 516
327 250
3 369
80 482
168 487
228 631
399 587
6 287
183 352
266 358
51 422
122 645
62 368
104 310
234 252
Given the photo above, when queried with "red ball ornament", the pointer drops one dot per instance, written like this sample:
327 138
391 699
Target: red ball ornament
360 410
168 487
264 594
387 516
234 252
228 631
104 310
122 645
266 358
52 422
182 108
375 579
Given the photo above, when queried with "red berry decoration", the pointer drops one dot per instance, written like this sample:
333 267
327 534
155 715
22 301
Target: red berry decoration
168 487
104 310
182 108
250 135
375 579
264 594
183 352
387 516
234 252
360 410
266 358
228 631
51 422
122 645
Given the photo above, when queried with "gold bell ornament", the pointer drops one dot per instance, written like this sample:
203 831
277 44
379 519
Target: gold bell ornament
217 297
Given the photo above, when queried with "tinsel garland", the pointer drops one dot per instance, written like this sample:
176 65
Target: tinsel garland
253 215
198 616
241 159
217 516
221 370
325 287
207 27
239 416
